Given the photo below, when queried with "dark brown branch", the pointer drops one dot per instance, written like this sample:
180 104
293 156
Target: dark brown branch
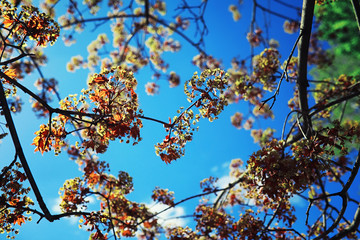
154 120
342 112
197 17
109 209
327 202
321 81
231 185
344 195
356 7
147 11
354 226
353 174
55 217
286 4
318 108
285 122
286 229
15 59
303 50
44 103
7 168
273 216
99 19
275 13
284 74
122 56
41 74
196 45
21 154
74 5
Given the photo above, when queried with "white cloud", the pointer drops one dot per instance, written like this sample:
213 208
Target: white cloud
171 217
217 169
91 199
214 169
225 165
298 201
224 181
55 207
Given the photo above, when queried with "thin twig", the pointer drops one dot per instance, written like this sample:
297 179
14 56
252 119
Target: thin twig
343 112
7 168
275 13
285 122
231 185
356 7
284 74
344 195
286 4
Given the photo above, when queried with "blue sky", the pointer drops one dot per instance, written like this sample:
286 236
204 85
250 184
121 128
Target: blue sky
209 154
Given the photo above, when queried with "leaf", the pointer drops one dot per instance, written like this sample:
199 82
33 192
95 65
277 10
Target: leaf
126 233
8 21
100 80
11 73
20 220
340 24
42 141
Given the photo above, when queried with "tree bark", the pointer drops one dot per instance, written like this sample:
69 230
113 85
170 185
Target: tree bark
20 153
356 7
303 48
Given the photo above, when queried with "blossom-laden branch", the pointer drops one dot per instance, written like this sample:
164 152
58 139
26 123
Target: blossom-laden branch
108 109
129 52
205 92
114 114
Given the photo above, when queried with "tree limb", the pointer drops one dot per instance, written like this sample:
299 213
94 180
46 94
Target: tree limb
356 7
303 49
344 195
20 153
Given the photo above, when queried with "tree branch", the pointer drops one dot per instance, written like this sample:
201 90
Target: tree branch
42 102
21 154
275 13
344 195
7 168
356 7
15 59
231 185
147 7
352 228
284 74
138 16
320 108
303 49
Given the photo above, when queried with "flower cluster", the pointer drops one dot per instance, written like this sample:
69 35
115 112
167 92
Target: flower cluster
278 174
265 66
114 114
164 196
255 37
30 22
14 199
206 93
291 27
